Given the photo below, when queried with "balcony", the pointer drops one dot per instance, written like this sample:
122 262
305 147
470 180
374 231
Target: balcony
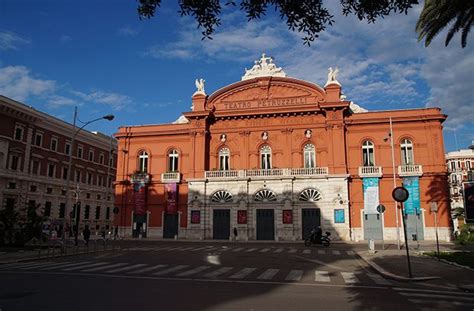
170 177
410 170
270 173
140 177
370 171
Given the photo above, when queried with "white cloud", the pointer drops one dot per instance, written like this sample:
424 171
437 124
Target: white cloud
114 100
127 31
16 82
11 41
65 38
58 101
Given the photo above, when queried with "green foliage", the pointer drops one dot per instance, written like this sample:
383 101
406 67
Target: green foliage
462 258
17 228
9 224
466 235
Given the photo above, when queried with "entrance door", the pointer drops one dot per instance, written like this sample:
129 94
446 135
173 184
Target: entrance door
265 224
221 227
414 223
170 226
139 226
373 227
311 218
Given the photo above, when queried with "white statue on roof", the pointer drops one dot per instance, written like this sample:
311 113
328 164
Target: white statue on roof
332 76
263 68
200 86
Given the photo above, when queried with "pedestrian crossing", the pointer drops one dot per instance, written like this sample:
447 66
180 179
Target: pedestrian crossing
203 272
275 250
437 300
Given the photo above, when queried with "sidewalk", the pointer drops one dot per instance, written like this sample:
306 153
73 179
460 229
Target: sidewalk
393 264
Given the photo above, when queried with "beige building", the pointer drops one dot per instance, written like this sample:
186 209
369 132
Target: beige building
34 155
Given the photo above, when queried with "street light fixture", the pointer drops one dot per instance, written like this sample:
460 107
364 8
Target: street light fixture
74 133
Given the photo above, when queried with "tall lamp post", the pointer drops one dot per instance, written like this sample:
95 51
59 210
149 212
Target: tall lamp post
74 133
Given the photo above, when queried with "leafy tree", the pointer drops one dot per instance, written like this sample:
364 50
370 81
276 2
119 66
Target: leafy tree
9 219
311 17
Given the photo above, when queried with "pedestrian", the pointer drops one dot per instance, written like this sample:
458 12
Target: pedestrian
87 234
116 232
103 233
235 233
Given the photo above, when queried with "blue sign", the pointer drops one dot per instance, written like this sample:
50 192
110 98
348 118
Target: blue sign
339 217
412 205
371 195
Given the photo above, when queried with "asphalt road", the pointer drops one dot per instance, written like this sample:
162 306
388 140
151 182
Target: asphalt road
215 276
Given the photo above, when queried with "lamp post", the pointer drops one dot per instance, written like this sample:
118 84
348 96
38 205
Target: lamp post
390 135
74 133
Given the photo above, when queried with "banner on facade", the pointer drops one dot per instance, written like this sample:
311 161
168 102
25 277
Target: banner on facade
371 195
241 217
469 200
288 216
412 204
139 198
171 197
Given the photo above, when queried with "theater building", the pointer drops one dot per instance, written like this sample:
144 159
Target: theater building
273 156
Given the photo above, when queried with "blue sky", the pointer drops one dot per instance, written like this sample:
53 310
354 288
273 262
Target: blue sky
56 54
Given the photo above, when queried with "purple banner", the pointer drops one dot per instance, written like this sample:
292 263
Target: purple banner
171 193
469 200
139 198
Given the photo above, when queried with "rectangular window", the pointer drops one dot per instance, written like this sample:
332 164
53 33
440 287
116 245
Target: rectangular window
453 166
88 195
54 144
468 165
19 132
49 190
91 155
101 158
107 213
86 212
79 152
97 212
89 178
11 185
64 173
47 209
39 139
35 167
33 188
14 161
67 148
51 169
98 197
62 210
78 176
100 180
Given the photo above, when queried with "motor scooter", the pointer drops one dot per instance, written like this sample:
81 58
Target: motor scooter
324 239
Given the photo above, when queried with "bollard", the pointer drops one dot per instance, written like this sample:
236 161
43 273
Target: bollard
371 246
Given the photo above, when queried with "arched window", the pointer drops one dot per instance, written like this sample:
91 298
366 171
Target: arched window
309 156
309 195
368 153
265 195
143 161
406 147
266 157
224 158
173 160
221 196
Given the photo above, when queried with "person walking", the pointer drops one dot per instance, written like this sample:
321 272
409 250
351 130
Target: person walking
87 234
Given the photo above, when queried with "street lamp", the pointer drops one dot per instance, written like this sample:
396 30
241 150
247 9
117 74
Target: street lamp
74 133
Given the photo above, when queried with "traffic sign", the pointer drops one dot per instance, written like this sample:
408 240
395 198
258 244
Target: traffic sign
400 194
381 208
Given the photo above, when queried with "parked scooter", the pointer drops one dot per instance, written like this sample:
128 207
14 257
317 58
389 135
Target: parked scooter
316 238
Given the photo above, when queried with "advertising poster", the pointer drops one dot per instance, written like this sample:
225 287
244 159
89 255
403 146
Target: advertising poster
469 201
339 216
195 217
412 205
241 217
371 195
171 196
139 198
287 217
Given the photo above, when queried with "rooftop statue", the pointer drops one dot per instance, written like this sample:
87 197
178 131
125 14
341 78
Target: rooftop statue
200 86
263 68
332 75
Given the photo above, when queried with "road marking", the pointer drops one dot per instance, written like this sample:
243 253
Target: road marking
242 273
250 250
294 275
238 249
127 268
85 266
268 274
336 252
278 250
264 250
174 248
193 271
306 251
378 279
16 264
199 248
218 272
321 252
321 276
105 267
65 265
34 265
172 269
147 269
349 278
187 248
292 251
350 253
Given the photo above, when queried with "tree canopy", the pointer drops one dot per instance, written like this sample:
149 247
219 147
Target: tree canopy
311 17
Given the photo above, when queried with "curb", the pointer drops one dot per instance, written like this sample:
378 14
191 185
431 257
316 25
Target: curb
452 263
389 275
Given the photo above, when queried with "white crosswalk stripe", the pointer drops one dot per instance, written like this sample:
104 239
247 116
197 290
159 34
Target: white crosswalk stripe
238 249
268 274
378 279
264 250
350 253
85 266
127 268
321 276
36 265
218 272
120 264
242 273
251 250
199 248
171 269
64 265
278 250
292 251
306 251
321 252
336 252
349 278
187 248
148 269
294 275
193 271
